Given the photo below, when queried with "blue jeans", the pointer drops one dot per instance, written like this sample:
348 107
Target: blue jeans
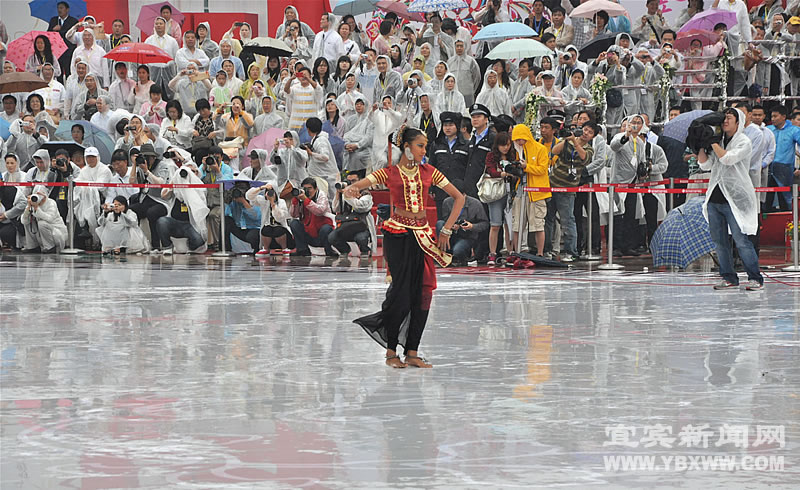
780 175
460 246
170 227
302 239
720 217
564 203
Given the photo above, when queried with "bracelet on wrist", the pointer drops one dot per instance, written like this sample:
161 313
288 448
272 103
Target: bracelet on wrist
446 231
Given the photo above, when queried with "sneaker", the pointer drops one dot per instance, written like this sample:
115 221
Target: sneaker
724 284
286 251
753 285
167 251
155 251
262 252
492 259
568 258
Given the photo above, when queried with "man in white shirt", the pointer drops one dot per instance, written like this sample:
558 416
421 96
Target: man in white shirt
162 73
328 43
92 54
120 174
102 117
190 52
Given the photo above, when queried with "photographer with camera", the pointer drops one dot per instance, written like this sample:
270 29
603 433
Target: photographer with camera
61 170
274 218
188 212
289 162
635 160
321 159
120 174
353 220
212 171
149 169
574 153
25 139
469 230
189 88
12 204
313 220
608 64
45 231
87 200
731 204
242 219
303 97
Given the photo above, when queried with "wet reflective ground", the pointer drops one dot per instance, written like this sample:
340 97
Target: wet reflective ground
187 372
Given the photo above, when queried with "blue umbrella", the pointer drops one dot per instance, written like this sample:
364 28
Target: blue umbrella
678 128
440 6
504 30
683 237
92 136
354 7
47 9
4 132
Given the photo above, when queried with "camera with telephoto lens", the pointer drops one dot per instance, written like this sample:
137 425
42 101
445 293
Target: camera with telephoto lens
140 160
210 160
570 131
169 154
237 193
515 171
412 82
341 185
295 192
61 162
34 199
270 192
183 173
643 169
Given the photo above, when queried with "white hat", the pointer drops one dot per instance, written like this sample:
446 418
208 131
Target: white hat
91 152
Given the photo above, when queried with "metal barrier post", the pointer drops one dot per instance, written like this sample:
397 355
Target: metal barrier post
794 267
670 202
589 255
523 220
70 225
222 252
610 265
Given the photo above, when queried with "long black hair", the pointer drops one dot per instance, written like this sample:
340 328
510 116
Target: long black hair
324 79
48 50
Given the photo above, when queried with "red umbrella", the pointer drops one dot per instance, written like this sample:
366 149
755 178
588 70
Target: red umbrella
149 13
139 53
21 48
684 40
401 9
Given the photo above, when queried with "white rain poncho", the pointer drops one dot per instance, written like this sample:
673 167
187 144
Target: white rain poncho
87 200
122 231
385 122
731 174
272 119
195 199
44 227
293 163
496 99
361 133
451 100
280 213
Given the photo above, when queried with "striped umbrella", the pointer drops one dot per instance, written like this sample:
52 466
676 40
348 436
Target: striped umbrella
436 5
683 237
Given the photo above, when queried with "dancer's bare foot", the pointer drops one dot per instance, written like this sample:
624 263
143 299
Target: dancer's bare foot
393 360
418 362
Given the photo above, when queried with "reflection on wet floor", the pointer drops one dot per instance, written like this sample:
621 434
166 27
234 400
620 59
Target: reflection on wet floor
175 372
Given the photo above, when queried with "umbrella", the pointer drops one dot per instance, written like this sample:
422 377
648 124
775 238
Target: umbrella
597 45
139 53
683 237
518 49
21 48
47 9
436 5
354 7
684 40
678 128
588 9
53 146
92 136
400 9
541 261
264 141
267 46
20 81
4 132
148 14
504 30
707 19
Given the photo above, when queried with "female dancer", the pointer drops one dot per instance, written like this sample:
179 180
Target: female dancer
410 248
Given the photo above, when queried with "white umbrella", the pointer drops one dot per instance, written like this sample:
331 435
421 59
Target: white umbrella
518 49
588 9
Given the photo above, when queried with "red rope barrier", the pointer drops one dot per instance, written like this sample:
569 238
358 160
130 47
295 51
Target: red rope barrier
104 184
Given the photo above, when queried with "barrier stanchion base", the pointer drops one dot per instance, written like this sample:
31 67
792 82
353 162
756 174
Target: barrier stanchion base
590 257
610 267
71 251
223 255
791 268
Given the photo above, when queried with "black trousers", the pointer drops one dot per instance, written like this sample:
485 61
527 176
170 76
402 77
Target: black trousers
352 231
627 234
581 202
152 210
8 233
251 236
401 320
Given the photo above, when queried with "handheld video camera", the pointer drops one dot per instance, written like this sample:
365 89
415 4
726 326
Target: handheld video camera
570 131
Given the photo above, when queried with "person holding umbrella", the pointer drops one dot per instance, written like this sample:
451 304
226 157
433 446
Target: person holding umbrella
42 53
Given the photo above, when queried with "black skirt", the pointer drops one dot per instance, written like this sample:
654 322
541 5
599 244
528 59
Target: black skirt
406 262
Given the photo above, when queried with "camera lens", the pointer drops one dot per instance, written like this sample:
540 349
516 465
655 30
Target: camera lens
237 193
270 192
341 185
169 154
295 192
183 173
34 199
140 160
